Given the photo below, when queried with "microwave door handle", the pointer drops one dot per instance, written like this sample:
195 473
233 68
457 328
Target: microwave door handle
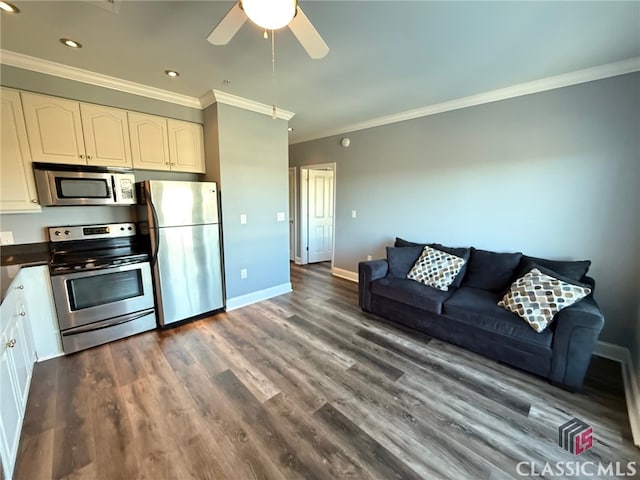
113 189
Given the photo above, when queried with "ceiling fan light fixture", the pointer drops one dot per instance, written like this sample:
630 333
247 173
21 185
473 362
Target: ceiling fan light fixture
9 7
272 14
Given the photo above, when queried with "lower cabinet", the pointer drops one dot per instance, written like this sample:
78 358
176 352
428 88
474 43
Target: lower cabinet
23 312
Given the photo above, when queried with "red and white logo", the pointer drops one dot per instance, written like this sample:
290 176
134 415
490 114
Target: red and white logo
575 436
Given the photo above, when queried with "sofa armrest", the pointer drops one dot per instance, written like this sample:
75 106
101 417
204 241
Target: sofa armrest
368 272
576 332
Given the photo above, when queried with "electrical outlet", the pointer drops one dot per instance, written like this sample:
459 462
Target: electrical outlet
243 219
6 238
243 273
369 258
353 214
280 216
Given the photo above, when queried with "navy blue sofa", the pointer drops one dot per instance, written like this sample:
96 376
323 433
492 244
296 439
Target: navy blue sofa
467 314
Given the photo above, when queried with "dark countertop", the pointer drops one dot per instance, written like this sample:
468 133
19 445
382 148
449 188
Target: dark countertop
15 257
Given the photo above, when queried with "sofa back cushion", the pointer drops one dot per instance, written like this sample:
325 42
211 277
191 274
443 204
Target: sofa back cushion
491 271
461 252
401 259
573 270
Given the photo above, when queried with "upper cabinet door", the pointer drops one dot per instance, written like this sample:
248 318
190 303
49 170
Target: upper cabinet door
186 147
17 188
106 136
149 144
54 128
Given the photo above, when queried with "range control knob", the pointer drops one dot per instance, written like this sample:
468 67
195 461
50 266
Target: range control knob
67 232
57 233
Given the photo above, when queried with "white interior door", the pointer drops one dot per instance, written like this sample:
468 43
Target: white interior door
320 215
292 214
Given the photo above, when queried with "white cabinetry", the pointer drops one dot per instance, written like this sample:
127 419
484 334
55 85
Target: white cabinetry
159 143
65 131
17 355
186 146
42 313
16 177
149 141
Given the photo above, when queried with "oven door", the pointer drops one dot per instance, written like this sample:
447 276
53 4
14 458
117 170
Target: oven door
90 296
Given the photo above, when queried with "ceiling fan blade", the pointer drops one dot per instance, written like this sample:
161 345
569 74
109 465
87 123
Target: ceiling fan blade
228 26
308 36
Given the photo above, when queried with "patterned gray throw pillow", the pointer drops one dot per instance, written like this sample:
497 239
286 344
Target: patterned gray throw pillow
537 297
436 268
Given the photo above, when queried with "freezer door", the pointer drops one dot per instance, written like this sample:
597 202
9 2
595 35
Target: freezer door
183 203
188 272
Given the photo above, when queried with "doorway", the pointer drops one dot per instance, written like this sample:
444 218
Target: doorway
317 208
293 213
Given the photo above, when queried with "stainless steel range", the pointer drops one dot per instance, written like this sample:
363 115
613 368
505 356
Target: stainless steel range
101 283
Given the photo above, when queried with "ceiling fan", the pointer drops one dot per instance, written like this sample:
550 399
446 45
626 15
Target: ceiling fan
271 15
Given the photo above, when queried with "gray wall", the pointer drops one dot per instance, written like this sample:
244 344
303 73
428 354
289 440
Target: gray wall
554 174
30 227
250 165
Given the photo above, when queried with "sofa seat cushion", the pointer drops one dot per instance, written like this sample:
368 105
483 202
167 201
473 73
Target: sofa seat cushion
479 308
412 293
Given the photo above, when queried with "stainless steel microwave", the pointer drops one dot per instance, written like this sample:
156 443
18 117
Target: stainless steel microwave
63 185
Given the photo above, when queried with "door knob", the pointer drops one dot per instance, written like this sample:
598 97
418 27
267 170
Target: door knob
11 343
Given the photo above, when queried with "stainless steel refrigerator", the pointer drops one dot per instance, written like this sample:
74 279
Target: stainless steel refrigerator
184 230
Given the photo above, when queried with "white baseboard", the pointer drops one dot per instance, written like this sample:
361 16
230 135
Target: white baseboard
346 274
298 261
630 378
254 297
49 357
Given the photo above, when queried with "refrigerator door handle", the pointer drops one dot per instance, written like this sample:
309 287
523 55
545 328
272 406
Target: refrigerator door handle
156 230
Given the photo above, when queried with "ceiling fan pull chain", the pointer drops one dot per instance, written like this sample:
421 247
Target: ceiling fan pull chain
273 72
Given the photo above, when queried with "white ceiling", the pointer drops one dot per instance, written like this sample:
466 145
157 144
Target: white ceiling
386 57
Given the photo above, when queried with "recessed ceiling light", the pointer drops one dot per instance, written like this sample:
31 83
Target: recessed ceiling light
172 73
290 129
70 43
9 7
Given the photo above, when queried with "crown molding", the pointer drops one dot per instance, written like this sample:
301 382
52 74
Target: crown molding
216 96
85 76
550 83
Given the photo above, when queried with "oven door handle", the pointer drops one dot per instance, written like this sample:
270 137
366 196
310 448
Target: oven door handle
106 324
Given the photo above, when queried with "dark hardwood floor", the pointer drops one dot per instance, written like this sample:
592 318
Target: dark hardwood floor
304 386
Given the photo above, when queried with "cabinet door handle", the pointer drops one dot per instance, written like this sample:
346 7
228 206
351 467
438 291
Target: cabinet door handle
173 164
34 200
167 163
89 157
82 156
23 313
11 343
20 287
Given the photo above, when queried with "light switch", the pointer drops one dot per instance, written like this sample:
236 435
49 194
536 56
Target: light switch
243 219
353 214
280 216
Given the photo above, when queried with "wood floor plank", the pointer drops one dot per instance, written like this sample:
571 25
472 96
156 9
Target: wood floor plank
42 398
294 462
74 444
283 375
303 430
380 461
